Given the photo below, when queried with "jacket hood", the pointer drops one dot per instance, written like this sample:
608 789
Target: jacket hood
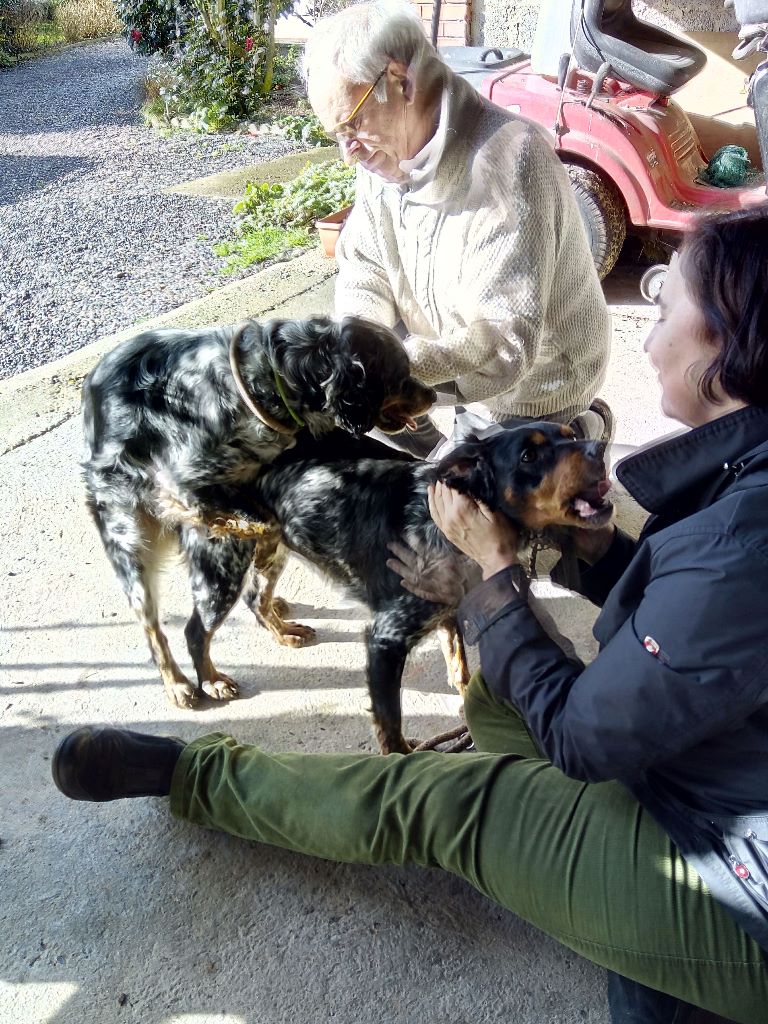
693 467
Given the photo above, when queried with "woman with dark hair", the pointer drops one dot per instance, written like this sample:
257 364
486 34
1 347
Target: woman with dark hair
622 807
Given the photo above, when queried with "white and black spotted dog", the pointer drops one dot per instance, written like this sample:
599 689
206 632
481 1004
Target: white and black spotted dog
179 423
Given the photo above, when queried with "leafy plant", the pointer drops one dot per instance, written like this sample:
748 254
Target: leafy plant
219 69
302 127
152 25
286 67
274 217
318 190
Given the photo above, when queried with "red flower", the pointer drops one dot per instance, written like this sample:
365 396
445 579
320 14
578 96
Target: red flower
136 36
248 44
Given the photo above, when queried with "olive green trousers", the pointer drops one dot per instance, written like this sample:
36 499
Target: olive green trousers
582 861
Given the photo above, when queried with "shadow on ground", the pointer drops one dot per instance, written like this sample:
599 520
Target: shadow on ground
20 176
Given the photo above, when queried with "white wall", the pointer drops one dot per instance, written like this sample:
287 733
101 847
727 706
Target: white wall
512 22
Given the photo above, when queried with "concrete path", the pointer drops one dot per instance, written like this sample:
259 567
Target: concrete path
115 912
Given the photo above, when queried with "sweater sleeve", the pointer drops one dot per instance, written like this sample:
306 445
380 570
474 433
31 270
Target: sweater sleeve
523 209
363 287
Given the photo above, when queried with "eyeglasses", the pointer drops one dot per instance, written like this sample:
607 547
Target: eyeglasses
345 128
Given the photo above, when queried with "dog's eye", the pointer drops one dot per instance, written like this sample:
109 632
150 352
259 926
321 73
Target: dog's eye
529 455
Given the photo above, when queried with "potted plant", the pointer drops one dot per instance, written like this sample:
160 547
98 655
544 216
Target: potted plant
329 228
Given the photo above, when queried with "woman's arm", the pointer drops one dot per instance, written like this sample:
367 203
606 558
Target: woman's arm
689 661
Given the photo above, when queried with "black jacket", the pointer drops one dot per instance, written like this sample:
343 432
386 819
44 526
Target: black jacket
675 705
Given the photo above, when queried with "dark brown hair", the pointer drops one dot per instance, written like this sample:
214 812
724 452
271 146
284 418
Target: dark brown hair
725 265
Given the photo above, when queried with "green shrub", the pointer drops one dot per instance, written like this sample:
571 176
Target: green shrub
86 19
48 34
286 68
219 70
20 22
301 127
152 25
274 217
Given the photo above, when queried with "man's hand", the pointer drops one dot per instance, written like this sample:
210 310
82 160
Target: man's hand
443 579
488 538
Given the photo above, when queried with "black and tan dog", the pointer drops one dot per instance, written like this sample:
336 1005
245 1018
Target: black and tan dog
340 507
179 424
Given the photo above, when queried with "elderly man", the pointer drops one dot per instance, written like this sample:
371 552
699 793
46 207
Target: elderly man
464 231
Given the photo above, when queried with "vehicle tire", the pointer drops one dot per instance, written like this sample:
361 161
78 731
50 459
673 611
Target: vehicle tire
602 211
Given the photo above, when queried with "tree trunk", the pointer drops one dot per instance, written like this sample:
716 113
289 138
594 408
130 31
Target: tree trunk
269 57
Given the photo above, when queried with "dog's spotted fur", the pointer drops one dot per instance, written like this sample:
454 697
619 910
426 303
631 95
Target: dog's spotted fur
170 444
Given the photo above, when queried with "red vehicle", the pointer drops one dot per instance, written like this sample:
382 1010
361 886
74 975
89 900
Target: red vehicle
632 154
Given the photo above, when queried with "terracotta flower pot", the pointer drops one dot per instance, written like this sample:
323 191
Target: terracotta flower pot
329 229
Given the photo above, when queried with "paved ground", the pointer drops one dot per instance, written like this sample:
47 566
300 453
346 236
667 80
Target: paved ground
115 912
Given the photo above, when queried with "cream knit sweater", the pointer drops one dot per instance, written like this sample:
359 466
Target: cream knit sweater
484 258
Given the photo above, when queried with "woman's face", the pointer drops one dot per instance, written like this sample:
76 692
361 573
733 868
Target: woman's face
680 352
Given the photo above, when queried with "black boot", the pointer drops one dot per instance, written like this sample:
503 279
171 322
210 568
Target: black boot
108 764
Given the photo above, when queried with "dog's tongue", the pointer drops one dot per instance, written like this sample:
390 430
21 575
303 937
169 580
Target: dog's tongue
583 507
411 423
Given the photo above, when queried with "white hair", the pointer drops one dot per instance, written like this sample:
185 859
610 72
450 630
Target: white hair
362 39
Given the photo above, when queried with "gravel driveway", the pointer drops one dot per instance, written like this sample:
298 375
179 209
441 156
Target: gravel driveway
88 245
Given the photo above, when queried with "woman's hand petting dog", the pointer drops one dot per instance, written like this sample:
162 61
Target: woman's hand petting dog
488 538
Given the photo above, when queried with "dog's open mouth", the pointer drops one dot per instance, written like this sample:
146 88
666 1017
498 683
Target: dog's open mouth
591 506
400 411
393 424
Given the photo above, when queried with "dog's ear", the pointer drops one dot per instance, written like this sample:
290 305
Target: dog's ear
319 363
468 470
350 395
369 363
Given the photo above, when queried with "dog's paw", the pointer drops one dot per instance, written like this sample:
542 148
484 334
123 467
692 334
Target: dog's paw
182 693
220 687
280 607
293 634
397 745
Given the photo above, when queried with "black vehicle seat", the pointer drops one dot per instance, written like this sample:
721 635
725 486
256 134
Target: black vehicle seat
475 63
606 32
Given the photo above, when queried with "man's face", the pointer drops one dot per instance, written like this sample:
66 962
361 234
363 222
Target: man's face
377 136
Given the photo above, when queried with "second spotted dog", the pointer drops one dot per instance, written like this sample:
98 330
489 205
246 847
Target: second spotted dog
341 510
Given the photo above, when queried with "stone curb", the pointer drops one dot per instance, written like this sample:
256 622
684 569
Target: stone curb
231 184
